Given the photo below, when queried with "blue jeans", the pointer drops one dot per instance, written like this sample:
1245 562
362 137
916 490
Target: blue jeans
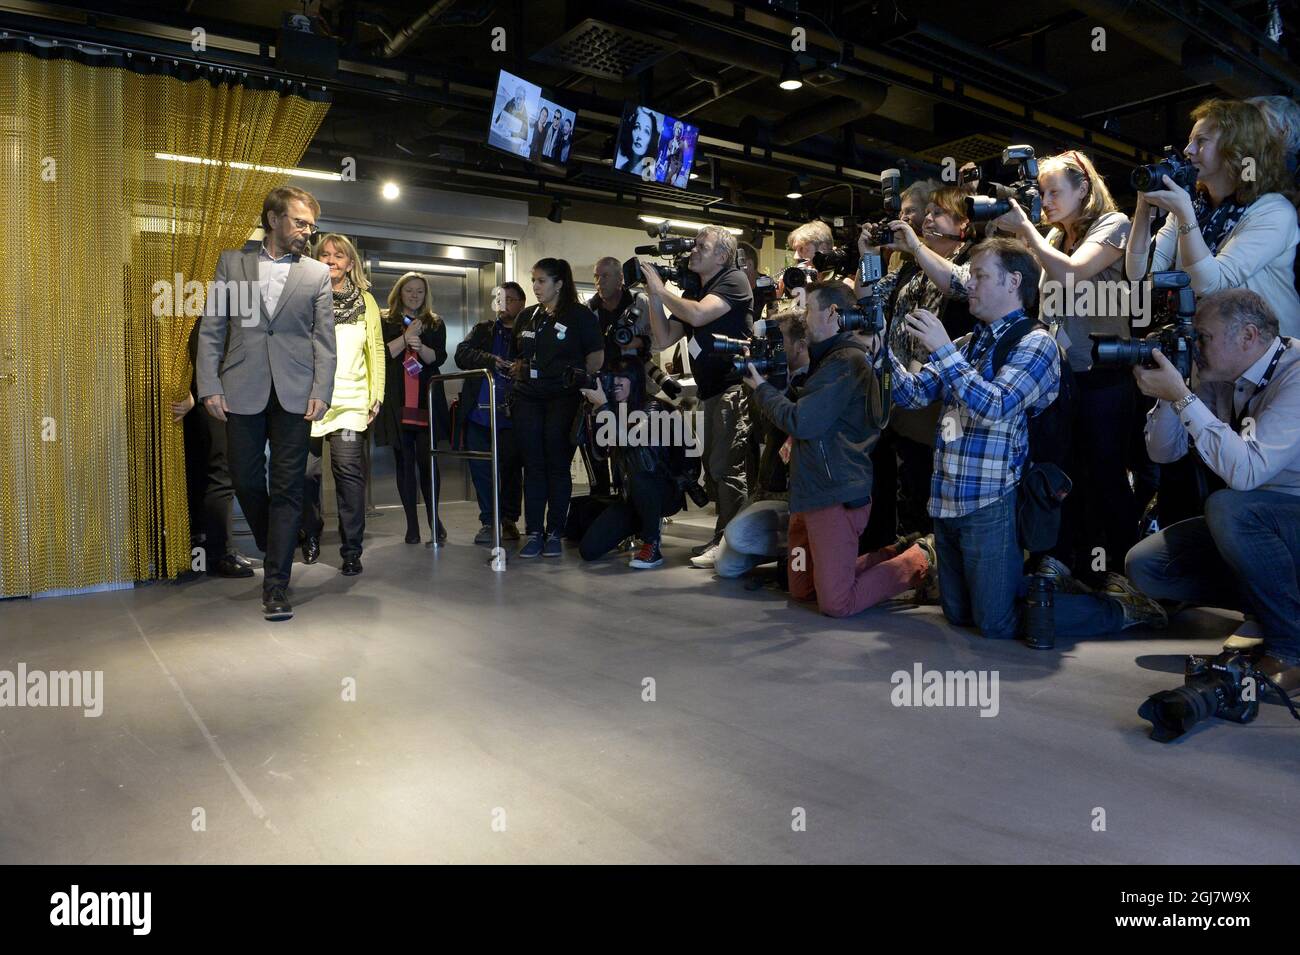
478 437
1242 555
756 535
981 579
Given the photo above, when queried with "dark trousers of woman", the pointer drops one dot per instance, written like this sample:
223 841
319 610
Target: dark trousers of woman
348 465
542 429
210 491
1100 511
650 498
411 455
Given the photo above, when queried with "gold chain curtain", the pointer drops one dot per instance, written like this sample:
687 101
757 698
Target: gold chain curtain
91 464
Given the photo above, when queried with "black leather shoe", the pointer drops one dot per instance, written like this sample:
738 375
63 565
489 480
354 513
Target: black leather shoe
442 533
311 550
413 537
233 565
275 604
351 567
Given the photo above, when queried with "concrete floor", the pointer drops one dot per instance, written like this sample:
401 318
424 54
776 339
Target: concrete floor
515 699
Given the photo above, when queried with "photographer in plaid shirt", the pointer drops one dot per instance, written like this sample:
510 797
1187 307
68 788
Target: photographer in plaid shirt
982 448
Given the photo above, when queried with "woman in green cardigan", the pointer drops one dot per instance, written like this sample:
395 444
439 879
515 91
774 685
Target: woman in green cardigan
358 394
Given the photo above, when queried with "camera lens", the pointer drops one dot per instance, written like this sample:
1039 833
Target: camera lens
1173 712
1111 351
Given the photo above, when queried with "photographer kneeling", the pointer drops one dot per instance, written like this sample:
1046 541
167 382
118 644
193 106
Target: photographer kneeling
831 436
649 488
1244 421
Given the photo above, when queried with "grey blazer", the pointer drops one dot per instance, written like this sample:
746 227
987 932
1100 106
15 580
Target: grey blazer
241 352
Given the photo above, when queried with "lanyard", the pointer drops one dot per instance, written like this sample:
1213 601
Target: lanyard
1238 418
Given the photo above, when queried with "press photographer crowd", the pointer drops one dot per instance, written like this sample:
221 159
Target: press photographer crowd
1015 401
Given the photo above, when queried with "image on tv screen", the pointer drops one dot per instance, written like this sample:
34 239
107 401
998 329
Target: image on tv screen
527 123
655 147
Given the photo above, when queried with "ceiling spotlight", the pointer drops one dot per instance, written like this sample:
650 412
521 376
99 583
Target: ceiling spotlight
556 214
795 190
790 77
390 190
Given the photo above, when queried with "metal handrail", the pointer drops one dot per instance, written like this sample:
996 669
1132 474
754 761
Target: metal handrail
498 560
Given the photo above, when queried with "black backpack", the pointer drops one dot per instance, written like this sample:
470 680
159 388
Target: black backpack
1044 484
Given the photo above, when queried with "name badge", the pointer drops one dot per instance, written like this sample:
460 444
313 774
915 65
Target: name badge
528 334
694 349
560 331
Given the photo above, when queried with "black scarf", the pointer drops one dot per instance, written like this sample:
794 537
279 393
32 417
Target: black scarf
1216 224
349 306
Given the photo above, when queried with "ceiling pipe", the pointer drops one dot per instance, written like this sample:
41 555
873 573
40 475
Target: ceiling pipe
403 37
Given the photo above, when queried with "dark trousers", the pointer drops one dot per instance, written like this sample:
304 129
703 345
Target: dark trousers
415 475
1100 511
509 471
915 470
273 516
348 465
1243 554
542 427
981 584
209 489
650 498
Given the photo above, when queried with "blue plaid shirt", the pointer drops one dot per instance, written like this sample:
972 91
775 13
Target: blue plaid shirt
983 436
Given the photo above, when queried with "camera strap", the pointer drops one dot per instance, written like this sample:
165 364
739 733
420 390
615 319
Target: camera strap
1239 416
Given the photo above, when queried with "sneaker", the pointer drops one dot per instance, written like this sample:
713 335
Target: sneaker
1063 581
484 535
927 592
509 531
532 546
1139 609
554 545
707 558
697 551
647 557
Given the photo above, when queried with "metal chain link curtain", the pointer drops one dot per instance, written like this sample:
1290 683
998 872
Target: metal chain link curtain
92 471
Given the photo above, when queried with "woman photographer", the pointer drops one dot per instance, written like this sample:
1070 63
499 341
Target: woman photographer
648 491
551 337
938 286
416 340
1238 230
1085 248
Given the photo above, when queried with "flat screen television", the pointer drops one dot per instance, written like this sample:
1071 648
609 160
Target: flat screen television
655 147
527 122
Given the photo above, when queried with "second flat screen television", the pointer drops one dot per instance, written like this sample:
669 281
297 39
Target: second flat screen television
527 123
655 147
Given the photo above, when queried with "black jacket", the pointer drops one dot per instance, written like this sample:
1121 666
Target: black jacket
388 425
475 351
830 460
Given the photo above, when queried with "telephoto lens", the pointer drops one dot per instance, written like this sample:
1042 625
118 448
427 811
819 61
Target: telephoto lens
1040 616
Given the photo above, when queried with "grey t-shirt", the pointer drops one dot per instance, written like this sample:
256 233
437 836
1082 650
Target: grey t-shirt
1098 303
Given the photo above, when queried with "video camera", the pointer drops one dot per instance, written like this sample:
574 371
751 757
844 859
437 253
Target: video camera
766 353
996 198
1176 340
1150 178
679 250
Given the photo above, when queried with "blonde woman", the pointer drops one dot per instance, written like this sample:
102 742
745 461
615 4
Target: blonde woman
1084 251
415 343
358 395
1239 230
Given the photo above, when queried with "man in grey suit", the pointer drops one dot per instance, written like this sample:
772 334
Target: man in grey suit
265 366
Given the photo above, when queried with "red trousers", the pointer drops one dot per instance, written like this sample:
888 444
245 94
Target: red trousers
824 562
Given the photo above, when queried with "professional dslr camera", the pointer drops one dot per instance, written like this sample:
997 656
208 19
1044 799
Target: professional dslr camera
867 317
1171 297
766 353
678 272
1227 686
1150 178
996 200
581 378
844 260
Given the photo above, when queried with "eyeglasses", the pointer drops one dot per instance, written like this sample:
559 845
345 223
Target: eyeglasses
302 224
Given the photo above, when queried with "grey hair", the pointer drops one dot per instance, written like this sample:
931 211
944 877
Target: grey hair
722 239
1239 307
